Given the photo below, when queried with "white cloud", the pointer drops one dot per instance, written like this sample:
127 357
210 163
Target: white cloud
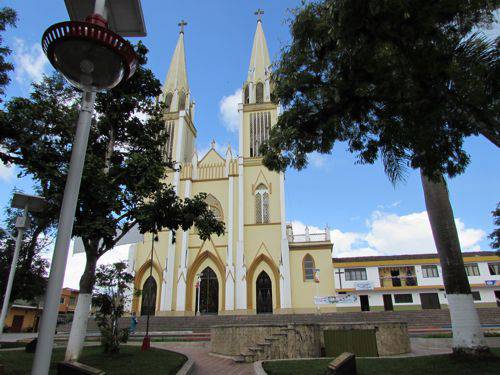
318 160
228 109
391 234
29 61
6 172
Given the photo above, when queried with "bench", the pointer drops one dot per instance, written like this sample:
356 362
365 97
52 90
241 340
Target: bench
77 368
344 364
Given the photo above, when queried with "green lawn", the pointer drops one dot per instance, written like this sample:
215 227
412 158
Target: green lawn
130 360
440 364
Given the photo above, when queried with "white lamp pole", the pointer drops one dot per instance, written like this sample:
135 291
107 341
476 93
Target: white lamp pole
316 280
199 292
21 226
28 203
41 363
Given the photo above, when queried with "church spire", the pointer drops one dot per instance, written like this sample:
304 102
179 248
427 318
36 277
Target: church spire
257 88
177 74
260 61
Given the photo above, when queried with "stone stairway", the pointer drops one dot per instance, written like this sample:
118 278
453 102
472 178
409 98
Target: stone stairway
273 347
415 319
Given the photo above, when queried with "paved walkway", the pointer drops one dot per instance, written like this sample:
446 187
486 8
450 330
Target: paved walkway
206 364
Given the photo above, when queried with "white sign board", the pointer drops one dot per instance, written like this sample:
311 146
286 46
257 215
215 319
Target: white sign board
331 300
364 285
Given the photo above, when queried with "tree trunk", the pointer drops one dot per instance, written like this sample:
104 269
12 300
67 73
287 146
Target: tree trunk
468 337
81 315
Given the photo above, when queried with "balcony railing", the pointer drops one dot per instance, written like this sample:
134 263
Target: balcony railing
307 236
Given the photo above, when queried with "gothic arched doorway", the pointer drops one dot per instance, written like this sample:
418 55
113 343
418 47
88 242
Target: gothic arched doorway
209 292
264 293
148 303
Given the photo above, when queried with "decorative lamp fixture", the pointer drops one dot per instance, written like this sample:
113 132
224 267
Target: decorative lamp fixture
89 55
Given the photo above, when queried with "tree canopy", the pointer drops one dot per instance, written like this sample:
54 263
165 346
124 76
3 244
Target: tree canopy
405 80
123 182
8 17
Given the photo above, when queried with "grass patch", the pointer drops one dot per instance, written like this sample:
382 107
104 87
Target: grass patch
129 361
439 364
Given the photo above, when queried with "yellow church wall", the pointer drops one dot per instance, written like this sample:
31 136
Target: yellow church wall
303 291
254 176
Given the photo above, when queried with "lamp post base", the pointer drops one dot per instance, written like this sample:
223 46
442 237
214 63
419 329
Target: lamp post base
146 343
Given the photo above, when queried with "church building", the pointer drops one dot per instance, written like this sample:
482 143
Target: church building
259 265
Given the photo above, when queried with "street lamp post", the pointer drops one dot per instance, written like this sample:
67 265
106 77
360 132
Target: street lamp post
198 289
316 281
27 203
92 58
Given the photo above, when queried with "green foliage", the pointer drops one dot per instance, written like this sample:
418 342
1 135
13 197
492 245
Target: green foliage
123 178
30 279
495 235
8 17
109 298
404 80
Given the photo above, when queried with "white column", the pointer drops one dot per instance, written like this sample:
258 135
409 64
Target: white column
182 272
285 287
241 286
267 91
229 257
168 276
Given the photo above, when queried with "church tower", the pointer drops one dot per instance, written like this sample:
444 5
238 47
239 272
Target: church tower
180 147
261 224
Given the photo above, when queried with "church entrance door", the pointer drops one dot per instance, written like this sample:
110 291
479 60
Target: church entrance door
148 303
209 292
264 294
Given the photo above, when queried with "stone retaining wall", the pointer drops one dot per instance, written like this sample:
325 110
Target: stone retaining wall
303 340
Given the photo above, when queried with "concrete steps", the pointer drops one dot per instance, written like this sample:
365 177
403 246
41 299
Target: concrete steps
201 324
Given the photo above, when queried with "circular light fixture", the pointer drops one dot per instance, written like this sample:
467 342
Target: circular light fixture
89 55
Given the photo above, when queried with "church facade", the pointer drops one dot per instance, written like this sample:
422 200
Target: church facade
259 265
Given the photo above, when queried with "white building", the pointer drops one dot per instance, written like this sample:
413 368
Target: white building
412 282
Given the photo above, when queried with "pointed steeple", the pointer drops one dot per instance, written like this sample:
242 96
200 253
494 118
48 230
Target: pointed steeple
260 61
177 73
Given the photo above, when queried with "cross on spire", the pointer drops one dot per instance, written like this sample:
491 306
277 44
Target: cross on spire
181 25
259 12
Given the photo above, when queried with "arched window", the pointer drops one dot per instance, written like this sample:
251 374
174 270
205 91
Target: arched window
261 205
168 101
259 93
247 95
215 206
308 268
182 101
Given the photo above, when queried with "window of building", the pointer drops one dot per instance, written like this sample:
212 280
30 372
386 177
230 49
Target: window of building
494 268
182 101
403 298
247 95
168 101
261 205
308 267
169 142
72 300
260 125
215 206
61 301
430 271
259 93
352 274
476 296
472 269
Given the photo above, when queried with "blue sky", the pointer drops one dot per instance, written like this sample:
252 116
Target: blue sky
366 213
